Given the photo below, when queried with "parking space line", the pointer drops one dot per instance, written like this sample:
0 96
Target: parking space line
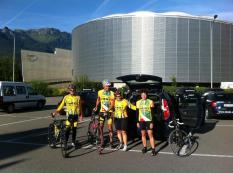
17 116
38 118
137 151
166 153
18 122
224 125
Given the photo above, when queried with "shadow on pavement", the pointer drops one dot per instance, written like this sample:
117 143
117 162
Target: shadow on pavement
6 165
13 144
207 127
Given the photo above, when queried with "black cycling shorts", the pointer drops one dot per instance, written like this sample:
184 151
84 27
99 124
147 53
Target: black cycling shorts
102 118
121 123
72 118
145 125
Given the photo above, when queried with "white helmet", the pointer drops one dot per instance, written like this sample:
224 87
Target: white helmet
106 82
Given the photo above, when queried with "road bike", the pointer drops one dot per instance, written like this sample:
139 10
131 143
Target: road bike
181 143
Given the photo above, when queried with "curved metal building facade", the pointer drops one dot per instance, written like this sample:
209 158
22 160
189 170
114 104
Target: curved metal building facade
161 44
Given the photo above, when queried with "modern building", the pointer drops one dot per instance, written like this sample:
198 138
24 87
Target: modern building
47 67
163 44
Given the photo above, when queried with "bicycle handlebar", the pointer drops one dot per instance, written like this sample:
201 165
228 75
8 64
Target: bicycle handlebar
177 121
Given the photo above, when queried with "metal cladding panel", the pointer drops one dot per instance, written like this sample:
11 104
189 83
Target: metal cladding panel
157 45
193 50
216 52
204 51
170 49
225 53
182 50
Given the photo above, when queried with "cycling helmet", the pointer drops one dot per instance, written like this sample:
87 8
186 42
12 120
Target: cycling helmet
72 86
117 93
106 82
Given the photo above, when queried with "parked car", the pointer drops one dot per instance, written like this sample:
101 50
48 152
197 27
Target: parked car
219 104
210 90
164 108
190 107
18 95
88 100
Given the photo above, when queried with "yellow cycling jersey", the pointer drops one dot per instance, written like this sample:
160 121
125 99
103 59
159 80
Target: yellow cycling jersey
72 105
120 109
144 107
131 106
105 100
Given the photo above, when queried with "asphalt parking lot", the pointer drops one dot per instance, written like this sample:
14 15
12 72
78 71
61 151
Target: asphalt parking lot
23 148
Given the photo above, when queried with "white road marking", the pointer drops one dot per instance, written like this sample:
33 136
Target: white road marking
18 122
17 116
166 153
222 125
33 119
137 151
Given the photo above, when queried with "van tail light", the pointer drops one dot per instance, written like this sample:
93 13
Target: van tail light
165 108
213 104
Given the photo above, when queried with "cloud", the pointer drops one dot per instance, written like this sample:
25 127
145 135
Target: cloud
19 13
98 9
147 5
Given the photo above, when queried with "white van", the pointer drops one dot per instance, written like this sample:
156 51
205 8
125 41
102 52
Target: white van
18 95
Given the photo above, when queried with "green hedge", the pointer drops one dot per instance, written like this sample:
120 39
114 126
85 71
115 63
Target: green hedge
44 89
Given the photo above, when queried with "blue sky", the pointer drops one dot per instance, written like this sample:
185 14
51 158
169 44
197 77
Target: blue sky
67 14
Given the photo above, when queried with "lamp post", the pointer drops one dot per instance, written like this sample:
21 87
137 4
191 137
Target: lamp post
211 51
13 75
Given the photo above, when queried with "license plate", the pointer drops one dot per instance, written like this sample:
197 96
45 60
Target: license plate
228 105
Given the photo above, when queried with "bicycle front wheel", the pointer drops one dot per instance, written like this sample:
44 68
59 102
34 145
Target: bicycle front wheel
176 140
51 136
63 142
92 133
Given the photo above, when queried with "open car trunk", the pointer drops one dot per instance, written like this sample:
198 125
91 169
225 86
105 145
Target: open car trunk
153 84
140 81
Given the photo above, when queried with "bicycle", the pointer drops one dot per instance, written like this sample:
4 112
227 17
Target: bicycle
93 130
181 143
54 132
57 133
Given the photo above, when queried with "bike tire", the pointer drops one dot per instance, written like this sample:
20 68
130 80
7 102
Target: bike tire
176 140
92 133
51 136
63 143
190 144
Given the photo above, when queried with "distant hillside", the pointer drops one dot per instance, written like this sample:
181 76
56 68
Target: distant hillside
44 40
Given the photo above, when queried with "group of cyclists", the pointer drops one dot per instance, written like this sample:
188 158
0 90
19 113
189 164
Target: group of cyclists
113 108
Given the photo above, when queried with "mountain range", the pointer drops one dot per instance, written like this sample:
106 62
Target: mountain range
44 40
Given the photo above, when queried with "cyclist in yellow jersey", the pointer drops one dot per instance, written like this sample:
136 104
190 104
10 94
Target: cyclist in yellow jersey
145 120
73 111
121 119
106 101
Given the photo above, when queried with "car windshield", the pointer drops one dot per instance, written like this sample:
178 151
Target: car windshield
188 100
222 97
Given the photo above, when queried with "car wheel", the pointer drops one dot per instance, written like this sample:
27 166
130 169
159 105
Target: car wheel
40 105
10 108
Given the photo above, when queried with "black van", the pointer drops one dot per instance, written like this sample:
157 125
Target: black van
164 109
190 108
